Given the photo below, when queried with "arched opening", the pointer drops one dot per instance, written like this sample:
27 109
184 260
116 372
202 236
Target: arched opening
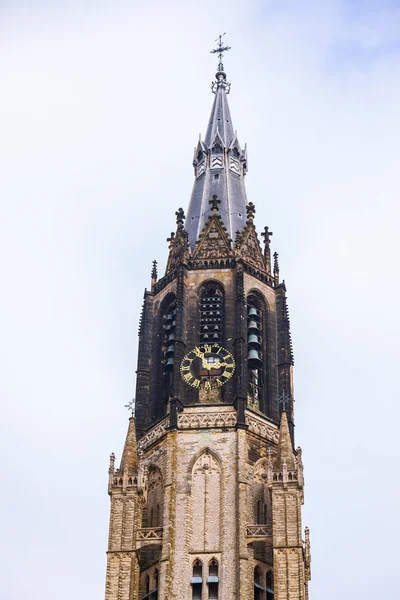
269 584
154 591
213 581
258 587
211 314
197 580
168 348
255 352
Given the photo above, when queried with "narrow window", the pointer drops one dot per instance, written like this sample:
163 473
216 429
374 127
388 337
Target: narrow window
254 353
270 586
213 580
258 588
197 580
154 593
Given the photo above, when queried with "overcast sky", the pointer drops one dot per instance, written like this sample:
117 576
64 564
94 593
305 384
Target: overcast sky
101 105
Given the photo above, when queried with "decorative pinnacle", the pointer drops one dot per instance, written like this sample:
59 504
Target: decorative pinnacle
251 211
220 75
154 275
214 204
131 406
276 266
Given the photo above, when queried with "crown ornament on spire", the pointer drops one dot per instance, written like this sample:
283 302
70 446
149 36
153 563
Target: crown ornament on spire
251 211
180 217
220 75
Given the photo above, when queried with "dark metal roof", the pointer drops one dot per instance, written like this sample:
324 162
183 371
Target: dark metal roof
220 166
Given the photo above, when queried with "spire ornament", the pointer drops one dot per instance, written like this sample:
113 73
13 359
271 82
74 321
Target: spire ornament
266 234
131 407
220 75
154 274
214 204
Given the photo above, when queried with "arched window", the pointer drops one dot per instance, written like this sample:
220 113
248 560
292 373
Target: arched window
270 586
211 314
154 592
213 580
258 587
255 363
197 580
169 327
262 513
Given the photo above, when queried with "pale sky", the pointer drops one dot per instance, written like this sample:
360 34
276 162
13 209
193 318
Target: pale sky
101 105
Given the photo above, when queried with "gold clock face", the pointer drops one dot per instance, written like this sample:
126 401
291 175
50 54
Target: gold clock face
206 367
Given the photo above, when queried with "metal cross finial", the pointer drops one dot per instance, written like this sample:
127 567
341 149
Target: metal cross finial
221 76
131 406
284 401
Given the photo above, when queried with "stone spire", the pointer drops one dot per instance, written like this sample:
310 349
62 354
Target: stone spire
285 454
129 460
220 165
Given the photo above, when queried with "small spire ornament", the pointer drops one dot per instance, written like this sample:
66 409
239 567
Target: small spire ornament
131 407
214 204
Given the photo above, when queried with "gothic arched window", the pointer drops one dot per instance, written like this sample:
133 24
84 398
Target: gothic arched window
154 593
213 580
258 587
270 586
211 314
255 363
197 580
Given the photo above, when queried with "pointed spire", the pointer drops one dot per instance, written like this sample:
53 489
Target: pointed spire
129 460
285 455
220 166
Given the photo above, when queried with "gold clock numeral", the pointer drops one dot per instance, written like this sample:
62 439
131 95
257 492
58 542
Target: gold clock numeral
187 377
207 385
185 368
196 383
208 349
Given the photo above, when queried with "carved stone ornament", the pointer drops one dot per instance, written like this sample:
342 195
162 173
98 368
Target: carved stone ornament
213 241
261 428
154 434
205 420
206 464
250 249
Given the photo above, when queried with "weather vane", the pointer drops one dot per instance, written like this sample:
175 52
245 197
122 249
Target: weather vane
131 406
221 77
220 50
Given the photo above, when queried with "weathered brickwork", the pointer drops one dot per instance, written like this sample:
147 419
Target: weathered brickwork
209 484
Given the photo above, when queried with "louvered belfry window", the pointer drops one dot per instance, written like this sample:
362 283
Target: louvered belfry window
211 315
169 328
255 361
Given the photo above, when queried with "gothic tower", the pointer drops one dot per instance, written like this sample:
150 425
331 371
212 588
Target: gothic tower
206 502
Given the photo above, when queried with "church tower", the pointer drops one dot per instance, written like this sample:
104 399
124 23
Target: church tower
206 501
